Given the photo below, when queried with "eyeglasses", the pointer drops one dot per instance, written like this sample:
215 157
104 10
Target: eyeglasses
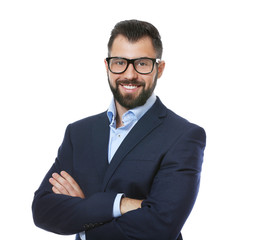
143 65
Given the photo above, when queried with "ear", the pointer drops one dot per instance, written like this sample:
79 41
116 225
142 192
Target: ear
161 68
106 65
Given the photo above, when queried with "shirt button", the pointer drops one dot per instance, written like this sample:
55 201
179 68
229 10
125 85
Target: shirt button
119 135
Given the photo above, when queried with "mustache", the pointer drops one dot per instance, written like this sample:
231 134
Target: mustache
130 82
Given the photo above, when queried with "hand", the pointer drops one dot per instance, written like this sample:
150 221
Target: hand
129 204
65 184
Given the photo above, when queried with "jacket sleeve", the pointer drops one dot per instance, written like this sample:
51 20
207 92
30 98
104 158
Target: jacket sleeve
172 196
64 214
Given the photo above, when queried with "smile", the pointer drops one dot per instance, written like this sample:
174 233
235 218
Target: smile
130 87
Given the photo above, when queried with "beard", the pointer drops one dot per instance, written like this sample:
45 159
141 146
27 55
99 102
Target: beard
129 101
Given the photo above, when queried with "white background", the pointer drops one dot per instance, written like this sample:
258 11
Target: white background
52 73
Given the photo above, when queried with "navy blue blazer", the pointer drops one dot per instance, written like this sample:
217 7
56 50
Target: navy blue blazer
159 161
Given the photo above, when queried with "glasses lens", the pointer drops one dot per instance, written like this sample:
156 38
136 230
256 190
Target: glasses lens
118 65
143 65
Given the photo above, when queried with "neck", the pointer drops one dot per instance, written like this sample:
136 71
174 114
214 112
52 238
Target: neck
120 111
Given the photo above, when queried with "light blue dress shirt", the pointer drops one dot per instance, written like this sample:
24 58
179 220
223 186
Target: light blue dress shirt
117 135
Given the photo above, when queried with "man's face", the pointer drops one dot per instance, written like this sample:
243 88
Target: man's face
130 88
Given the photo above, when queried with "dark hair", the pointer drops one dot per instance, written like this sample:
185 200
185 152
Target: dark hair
134 30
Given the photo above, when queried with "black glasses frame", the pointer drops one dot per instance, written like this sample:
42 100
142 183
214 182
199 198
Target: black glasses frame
131 61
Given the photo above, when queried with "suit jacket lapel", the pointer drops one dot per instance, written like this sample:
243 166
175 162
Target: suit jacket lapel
143 127
100 140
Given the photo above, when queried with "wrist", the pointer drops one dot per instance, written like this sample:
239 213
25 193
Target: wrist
129 204
116 212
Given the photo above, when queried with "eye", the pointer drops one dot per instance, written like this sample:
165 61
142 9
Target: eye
143 63
119 62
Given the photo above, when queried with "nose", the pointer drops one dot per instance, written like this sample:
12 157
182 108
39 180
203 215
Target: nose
130 72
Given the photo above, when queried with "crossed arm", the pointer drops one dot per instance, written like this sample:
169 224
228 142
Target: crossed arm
64 184
60 205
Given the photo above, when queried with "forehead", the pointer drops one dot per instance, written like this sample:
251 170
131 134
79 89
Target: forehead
122 47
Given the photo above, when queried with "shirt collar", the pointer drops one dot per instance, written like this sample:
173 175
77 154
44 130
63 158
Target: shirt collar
138 112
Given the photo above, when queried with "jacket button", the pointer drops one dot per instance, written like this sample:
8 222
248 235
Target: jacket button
89 226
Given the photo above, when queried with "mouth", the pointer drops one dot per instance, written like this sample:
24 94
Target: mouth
130 85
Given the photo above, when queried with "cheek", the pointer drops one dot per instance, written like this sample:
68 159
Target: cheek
112 79
149 81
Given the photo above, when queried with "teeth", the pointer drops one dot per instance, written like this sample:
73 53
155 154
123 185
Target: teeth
129 87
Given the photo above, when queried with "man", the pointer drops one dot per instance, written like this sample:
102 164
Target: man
133 171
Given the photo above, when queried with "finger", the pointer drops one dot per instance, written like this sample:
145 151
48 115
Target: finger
56 191
66 185
62 181
56 186
70 179
77 191
56 182
69 185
